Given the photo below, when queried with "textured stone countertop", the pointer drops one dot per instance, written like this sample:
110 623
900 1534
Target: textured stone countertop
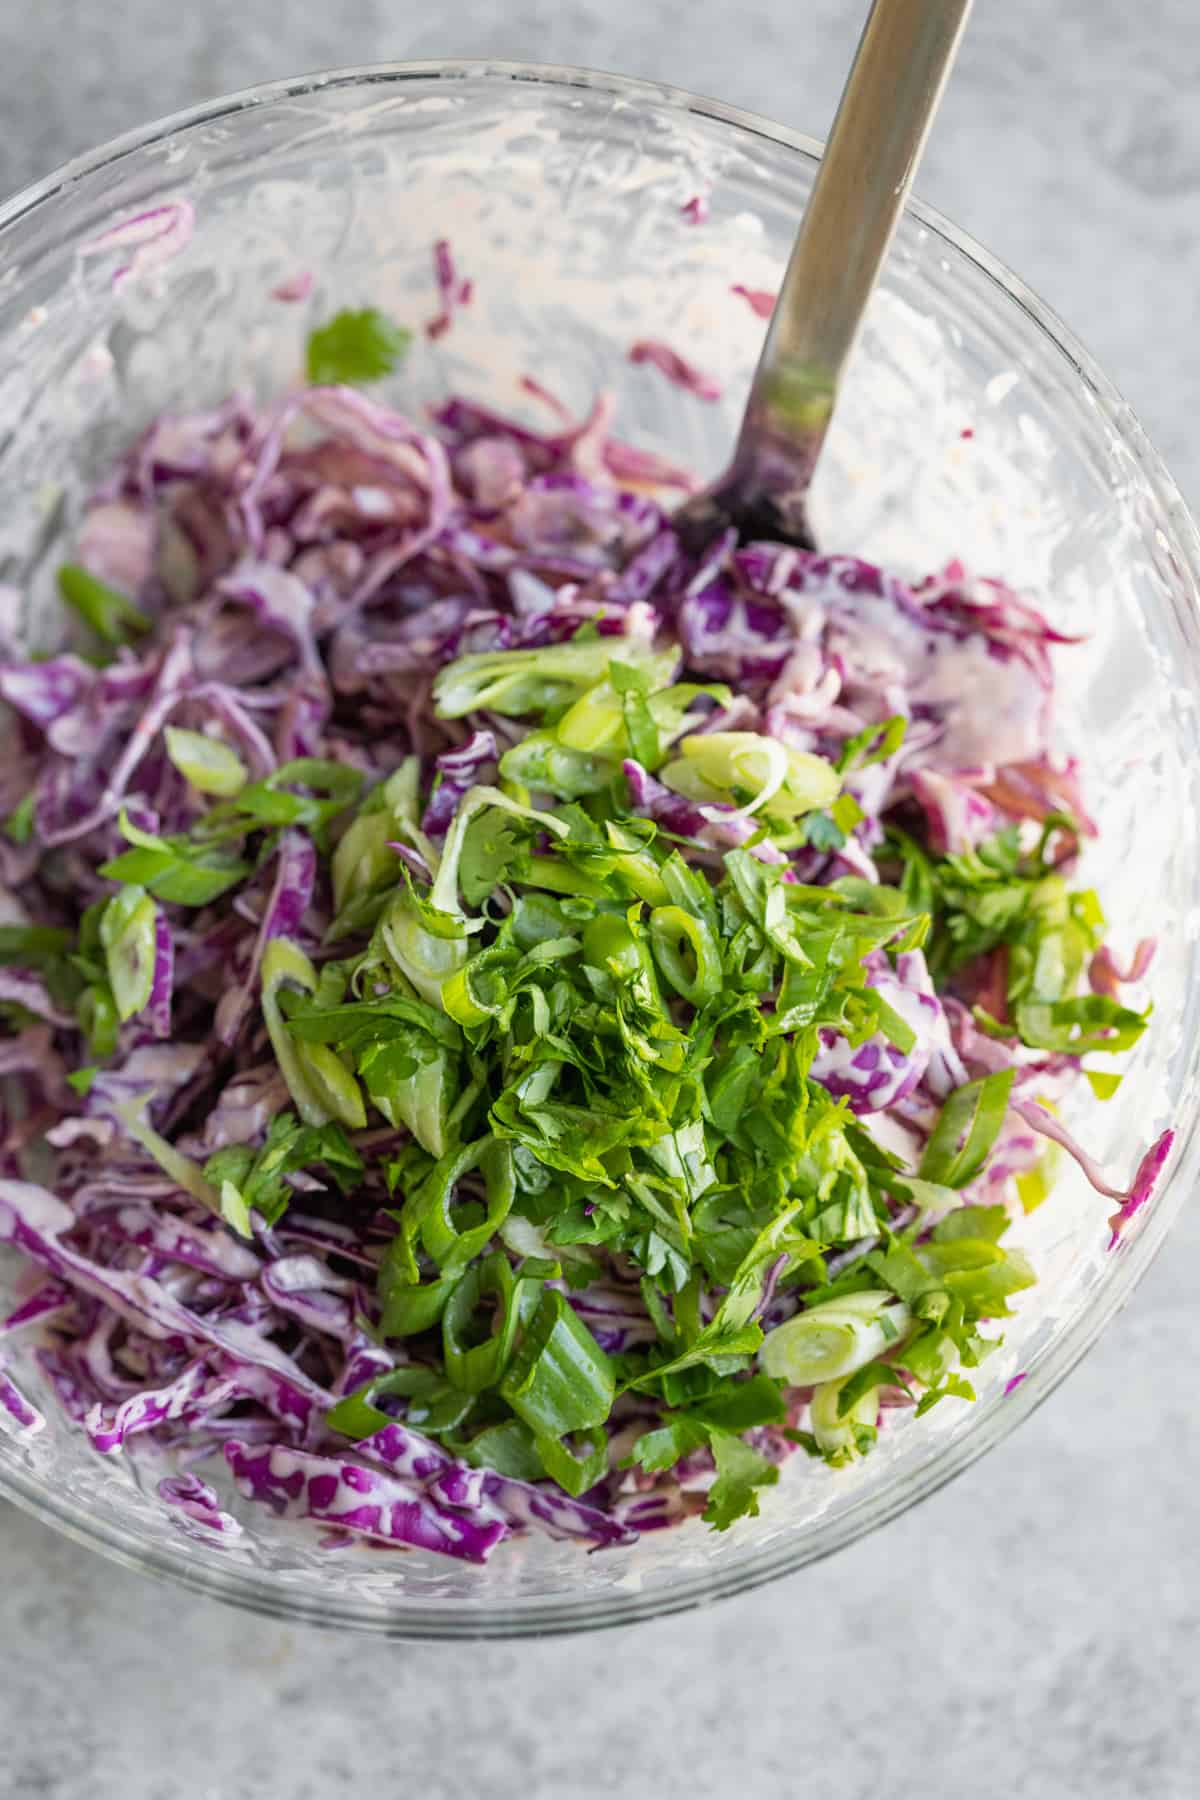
1035 1628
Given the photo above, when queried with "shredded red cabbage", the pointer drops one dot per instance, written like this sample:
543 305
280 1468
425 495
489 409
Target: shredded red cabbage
760 300
676 368
307 571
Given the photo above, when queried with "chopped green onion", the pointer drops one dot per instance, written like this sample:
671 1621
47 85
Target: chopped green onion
517 682
334 1088
32 943
597 720
638 869
235 1209
430 1212
363 860
98 1019
439 1409
966 1129
541 760
637 716
573 1472
473 995
835 1338
622 954
182 1170
507 1448
472 1365
896 1029
559 1381
434 1405
409 1310
715 765
111 615
422 957
687 953
317 1079
559 877
401 798
209 765
843 1435
129 933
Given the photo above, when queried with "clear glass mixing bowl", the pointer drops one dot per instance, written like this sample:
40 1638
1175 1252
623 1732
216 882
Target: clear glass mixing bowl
971 425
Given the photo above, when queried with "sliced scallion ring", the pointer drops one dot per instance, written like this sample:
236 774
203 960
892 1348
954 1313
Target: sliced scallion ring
210 766
834 1339
129 934
839 1434
317 1079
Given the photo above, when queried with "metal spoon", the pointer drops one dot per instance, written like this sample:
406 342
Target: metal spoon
891 95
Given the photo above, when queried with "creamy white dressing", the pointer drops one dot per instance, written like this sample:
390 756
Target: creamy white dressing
990 704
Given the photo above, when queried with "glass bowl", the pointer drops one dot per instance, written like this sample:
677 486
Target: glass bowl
971 425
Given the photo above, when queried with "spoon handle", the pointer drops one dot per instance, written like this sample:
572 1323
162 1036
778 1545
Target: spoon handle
890 97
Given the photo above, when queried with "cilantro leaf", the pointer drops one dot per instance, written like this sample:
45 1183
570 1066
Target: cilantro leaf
492 845
328 788
822 832
712 1347
256 1177
741 1472
356 347
173 869
737 1405
950 1385
678 1436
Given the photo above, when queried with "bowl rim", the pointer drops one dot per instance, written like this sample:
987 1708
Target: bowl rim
417 1620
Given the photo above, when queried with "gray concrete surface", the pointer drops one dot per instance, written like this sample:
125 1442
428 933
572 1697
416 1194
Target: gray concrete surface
1035 1628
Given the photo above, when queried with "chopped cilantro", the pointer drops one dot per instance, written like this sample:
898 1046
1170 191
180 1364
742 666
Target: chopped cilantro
356 347
254 1180
583 1120
741 1472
